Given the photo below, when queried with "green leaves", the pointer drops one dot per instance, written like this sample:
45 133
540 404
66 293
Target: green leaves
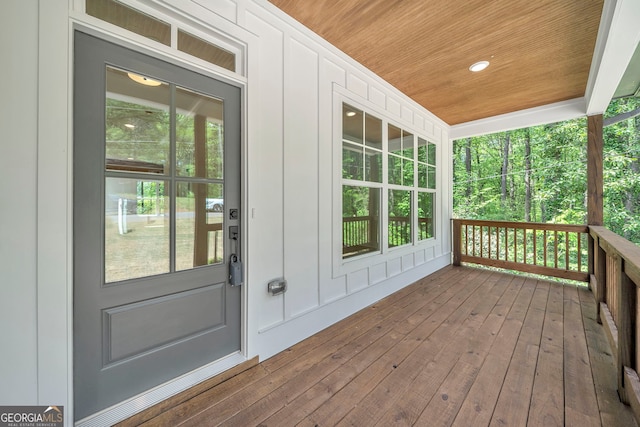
558 176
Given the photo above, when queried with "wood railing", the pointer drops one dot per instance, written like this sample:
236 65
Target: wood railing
610 263
360 233
614 282
557 250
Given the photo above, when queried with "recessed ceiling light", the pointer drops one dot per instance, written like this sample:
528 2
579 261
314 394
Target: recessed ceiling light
479 66
351 113
143 80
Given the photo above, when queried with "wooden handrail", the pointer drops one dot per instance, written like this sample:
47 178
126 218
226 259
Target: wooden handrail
614 282
523 246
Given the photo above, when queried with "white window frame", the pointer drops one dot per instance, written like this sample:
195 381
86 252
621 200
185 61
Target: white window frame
342 266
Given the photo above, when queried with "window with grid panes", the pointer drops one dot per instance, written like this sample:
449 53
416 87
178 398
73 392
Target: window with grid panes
426 162
407 189
362 181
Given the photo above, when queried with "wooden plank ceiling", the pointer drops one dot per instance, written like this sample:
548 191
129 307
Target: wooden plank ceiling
540 51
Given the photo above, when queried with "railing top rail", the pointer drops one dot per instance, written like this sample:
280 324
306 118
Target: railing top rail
525 225
358 218
627 250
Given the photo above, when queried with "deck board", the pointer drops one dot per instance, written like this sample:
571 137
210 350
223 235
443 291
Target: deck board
581 406
547 400
513 403
462 347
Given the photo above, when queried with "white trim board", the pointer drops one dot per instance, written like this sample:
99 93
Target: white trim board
552 113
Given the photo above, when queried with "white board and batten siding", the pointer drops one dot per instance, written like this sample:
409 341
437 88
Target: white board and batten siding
291 79
300 76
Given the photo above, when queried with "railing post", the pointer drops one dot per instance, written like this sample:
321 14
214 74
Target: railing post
457 244
591 248
626 313
600 275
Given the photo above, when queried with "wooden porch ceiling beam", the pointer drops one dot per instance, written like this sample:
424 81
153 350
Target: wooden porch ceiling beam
595 182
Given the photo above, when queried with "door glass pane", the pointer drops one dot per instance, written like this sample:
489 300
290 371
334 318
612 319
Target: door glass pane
199 225
137 123
199 135
425 215
136 228
399 217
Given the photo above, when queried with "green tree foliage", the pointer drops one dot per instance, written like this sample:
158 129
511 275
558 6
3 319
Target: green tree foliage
491 172
622 171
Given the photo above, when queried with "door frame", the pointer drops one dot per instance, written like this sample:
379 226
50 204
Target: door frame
144 400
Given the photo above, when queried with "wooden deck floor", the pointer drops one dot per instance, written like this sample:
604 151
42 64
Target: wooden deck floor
462 347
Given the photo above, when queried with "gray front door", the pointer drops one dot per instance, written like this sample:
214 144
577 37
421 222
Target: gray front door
156 220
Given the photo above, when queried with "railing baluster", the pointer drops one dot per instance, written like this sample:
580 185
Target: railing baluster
515 244
579 238
466 239
555 249
535 247
473 238
524 245
489 238
566 249
506 244
546 243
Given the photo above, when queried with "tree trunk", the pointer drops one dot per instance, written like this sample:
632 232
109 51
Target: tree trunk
478 187
505 167
467 164
511 178
527 175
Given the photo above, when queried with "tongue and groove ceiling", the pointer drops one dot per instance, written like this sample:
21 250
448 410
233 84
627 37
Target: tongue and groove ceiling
539 50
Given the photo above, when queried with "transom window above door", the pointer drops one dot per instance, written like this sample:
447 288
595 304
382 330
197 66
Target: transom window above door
223 53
